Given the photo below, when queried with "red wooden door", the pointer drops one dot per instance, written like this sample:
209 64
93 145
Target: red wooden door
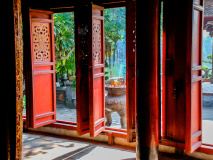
43 101
82 65
193 138
131 69
96 71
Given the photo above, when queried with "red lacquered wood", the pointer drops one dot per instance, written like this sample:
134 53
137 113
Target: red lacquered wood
131 69
175 67
43 101
147 79
169 44
193 138
172 143
114 129
82 66
67 126
96 70
205 149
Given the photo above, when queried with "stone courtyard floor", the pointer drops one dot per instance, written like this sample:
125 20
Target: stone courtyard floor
207 122
67 114
48 147
207 87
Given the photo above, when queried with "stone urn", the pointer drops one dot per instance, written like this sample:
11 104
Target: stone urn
115 101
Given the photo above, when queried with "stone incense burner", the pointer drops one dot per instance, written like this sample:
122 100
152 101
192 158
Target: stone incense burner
115 101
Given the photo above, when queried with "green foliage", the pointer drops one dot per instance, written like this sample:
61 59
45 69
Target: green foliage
205 68
206 72
209 58
115 28
106 66
74 83
60 68
24 102
64 43
64 31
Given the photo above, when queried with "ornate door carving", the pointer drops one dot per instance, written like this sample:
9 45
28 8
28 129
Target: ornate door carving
97 72
41 76
41 41
90 64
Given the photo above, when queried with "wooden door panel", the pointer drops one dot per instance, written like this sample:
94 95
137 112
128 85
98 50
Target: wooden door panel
43 102
193 138
183 69
82 66
97 71
43 93
170 72
131 69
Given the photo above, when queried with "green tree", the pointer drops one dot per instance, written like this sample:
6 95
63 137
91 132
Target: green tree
115 29
64 42
205 68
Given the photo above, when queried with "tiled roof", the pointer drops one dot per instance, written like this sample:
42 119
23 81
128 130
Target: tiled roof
208 8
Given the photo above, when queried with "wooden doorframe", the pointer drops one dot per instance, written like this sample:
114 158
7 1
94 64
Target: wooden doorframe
18 41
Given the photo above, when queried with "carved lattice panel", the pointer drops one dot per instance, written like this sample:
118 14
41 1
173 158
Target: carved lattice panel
41 41
41 73
96 38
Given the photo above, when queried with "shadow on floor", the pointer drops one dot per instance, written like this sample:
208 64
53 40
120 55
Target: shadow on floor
167 156
77 154
38 146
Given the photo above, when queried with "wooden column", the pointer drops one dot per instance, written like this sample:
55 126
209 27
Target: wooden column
8 70
11 73
147 19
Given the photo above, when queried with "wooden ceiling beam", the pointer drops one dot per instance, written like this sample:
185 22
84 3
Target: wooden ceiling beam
64 4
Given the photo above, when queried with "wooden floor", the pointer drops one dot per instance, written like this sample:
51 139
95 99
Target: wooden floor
46 147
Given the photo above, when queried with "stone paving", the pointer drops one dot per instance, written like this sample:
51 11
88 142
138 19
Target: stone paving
67 114
207 122
49 147
207 87
46 147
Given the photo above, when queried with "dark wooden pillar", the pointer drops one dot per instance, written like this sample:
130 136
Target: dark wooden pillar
8 80
11 73
147 19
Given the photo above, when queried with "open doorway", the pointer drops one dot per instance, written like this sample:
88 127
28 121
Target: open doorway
64 31
64 59
40 23
55 46
115 67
